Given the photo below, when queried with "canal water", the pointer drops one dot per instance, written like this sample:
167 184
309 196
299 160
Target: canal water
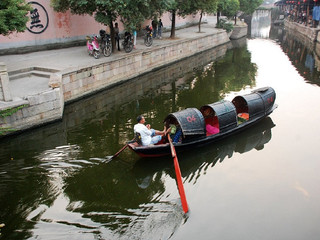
56 181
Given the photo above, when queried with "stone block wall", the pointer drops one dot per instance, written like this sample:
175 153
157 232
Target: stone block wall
122 96
89 79
33 111
306 31
239 32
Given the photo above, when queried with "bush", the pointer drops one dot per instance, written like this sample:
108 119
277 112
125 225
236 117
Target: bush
225 25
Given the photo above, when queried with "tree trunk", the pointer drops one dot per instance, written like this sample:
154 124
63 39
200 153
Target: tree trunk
235 19
112 36
173 24
218 17
200 21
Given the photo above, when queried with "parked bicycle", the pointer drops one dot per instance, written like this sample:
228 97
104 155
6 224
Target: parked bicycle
148 40
127 42
105 44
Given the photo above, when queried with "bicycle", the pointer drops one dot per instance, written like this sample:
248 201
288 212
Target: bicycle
148 40
127 42
106 44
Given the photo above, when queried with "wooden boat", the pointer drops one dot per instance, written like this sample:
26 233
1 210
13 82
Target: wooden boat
211 122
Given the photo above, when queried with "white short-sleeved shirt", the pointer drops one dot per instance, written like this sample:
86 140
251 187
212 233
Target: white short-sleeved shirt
144 132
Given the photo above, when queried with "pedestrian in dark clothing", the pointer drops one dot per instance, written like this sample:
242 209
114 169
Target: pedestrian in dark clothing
154 24
160 25
117 37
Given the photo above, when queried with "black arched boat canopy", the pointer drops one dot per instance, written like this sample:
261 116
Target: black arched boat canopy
224 111
190 120
222 116
256 104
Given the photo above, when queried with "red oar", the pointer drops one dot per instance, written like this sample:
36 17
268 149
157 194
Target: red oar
178 176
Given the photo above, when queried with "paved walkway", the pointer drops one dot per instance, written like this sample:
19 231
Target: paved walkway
61 59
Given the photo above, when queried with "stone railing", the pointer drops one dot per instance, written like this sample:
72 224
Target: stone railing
33 110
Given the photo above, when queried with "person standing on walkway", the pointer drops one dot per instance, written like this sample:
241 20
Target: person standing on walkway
154 27
117 37
160 25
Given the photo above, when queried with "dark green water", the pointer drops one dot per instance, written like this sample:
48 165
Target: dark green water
260 184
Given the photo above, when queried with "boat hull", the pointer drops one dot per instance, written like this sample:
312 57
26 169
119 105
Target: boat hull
164 149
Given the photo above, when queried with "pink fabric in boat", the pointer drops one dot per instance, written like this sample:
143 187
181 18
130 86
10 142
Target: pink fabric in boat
211 130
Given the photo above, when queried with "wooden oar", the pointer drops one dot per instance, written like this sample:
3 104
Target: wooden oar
115 155
178 176
123 148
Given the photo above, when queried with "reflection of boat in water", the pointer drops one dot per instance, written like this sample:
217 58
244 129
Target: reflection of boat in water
202 158
212 122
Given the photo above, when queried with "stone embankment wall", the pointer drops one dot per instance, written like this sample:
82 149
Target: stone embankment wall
70 85
91 78
239 32
161 79
311 33
32 111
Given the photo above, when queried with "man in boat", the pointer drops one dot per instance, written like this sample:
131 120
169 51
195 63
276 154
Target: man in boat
148 134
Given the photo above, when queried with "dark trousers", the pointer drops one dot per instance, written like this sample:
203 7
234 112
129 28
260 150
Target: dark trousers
118 42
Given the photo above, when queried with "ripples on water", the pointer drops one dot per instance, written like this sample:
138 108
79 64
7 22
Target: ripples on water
59 217
57 182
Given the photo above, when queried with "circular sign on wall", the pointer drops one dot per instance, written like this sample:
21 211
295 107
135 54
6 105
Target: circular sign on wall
39 19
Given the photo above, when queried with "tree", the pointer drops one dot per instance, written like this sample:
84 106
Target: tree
249 6
199 6
229 8
13 16
172 7
134 13
131 12
105 12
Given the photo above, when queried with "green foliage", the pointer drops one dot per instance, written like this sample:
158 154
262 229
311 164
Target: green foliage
132 12
105 11
225 25
249 6
135 12
229 8
6 113
13 16
3 131
9 111
191 7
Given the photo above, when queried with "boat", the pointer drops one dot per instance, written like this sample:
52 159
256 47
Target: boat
210 123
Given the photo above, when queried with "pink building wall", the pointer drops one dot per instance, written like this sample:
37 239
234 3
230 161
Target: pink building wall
65 27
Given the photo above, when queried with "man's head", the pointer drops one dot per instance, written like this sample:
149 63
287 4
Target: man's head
140 119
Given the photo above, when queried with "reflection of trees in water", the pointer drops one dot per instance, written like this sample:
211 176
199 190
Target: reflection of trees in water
232 73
